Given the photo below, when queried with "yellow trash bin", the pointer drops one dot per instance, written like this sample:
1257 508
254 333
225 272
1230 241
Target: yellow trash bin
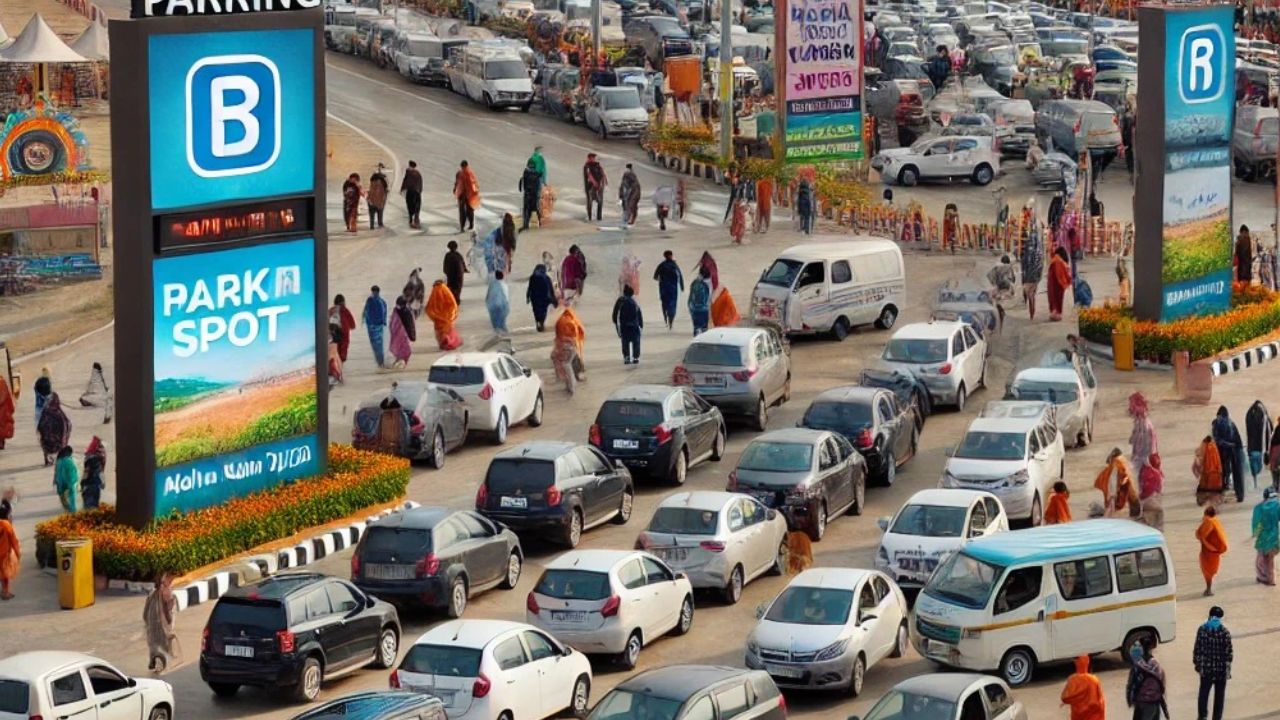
1122 348
75 573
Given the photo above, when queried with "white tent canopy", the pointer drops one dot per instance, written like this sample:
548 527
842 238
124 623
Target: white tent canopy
92 43
39 44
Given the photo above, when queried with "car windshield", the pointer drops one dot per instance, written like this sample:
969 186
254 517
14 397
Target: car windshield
963 580
1057 393
907 350
811 606
456 375
15 696
505 70
711 354
574 585
982 445
507 475
841 417
782 273
405 542
420 48
899 705
621 101
930 521
1070 47
777 457
684 521
447 660
628 705
622 412
261 618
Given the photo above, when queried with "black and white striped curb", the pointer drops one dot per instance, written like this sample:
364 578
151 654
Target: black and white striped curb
687 166
255 567
1247 359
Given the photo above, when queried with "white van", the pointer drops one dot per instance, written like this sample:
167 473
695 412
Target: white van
491 72
832 285
1013 600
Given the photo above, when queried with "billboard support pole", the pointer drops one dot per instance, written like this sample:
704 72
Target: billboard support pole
726 80
597 23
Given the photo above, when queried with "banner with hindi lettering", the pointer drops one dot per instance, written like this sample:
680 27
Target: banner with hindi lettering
822 80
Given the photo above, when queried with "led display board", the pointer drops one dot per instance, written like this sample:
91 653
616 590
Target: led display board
820 79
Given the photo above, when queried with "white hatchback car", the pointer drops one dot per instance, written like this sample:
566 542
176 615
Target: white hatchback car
490 669
54 684
1068 383
946 355
1016 460
499 390
828 627
942 158
611 601
932 525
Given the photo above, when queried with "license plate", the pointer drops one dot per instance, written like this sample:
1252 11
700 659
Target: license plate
674 554
785 672
626 444
713 380
514 502
389 572
575 616
244 651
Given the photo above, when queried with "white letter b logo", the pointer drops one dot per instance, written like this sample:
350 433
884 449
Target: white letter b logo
233 115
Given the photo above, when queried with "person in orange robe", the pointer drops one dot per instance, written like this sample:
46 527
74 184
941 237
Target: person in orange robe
1084 693
1213 544
442 309
1058 511
1208 471
10 550
7 406
1059 281
1123 493
724 311
569 351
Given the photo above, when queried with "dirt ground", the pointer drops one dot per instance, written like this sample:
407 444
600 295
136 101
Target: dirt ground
226 413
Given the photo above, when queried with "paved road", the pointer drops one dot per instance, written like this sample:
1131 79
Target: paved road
438 129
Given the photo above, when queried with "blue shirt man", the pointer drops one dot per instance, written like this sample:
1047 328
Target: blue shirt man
375 320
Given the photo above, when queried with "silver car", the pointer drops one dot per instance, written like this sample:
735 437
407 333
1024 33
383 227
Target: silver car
949 696
721 540
741 370
425 419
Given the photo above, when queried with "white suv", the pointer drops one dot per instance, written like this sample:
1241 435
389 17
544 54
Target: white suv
942 158
946 355
499 391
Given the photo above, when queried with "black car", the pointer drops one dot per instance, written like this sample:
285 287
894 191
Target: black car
909 390
436 557
293 630
658 35
882 430
379 705
659 430
693 692
557 487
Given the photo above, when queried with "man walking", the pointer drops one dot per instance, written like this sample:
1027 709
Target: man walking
467 189
377 197
374 318
593 181
939 67
629 193
1212 657
629 321
531 185
455 266
670 285
699 301
411 188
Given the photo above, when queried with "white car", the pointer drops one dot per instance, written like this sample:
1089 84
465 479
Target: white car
946 355
1016 460
54 684
828 627
610 602
498 389
616 112
491 669
932 525
941 158
1068 383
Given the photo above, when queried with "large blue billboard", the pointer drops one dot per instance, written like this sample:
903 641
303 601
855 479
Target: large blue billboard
231 116
234 372
1199 101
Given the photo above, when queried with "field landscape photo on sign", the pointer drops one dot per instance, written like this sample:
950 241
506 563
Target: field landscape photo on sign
823 80
235 372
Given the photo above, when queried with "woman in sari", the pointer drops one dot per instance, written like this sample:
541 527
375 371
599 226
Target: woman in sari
498 302
351 194
1142 439
1059 281
1266 536
54 428
66 480
708 262
1151 492
1116 484
158 614
1213 545
10 550
442 309
1208 471
340 316
403 333
7 409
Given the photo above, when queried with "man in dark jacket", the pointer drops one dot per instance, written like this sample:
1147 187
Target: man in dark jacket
1227 437
1212 658
939 67
531 185
454 268
1257 430
411 187
593 181
670 285
629 321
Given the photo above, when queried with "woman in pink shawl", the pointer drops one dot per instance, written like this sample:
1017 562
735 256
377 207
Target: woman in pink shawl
1143 437
403 333
708 262
573 273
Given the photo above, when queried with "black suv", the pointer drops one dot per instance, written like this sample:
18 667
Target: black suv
659 430
436 557
686 692
379 705
293 630
555 486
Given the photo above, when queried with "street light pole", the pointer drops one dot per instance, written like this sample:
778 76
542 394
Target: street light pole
597 21
726 80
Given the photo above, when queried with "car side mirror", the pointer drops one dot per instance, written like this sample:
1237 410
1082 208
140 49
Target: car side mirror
528 372
681 576
370 601
761 609
854 717
771 514
976 532
883 522
618 464
133 682
950 452
566 651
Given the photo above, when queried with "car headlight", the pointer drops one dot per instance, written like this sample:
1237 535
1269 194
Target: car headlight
832 651
948 480
971 633
1019 478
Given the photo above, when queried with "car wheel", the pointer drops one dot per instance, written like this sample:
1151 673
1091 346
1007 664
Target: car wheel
686 616
733 590
224 690
500 431
680 470
840 330
488 101
857 675
1134 636
388 648
581 696
573 534
160 713
1037 513
457 597
309 680
908 176
624 506
859 496
437 450
820 524
983 175
890 470
783 559
900 642
915 442
960 398
535 418
717 446
525 107
888 316
1086 436
1017 666
630 654
514 566
761 420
